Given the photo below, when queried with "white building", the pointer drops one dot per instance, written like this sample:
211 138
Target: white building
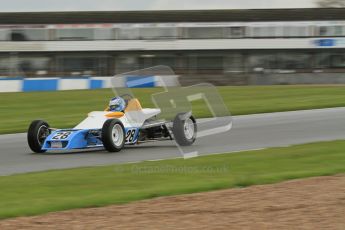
259 46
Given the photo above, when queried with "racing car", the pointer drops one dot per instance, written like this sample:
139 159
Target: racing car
113 130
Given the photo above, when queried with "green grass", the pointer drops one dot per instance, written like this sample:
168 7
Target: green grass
65 109
36 193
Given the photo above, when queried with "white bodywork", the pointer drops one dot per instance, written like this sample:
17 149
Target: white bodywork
95 120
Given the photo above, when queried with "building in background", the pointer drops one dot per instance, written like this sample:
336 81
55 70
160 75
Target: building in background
275 46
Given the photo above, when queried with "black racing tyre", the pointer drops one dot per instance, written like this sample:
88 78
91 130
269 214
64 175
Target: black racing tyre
113 135
184 130
37 133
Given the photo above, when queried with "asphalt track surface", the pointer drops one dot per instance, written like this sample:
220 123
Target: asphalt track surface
248 132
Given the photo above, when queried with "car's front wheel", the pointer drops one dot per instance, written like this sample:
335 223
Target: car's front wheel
37 133
113 135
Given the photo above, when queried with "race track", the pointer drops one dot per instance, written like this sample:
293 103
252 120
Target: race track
248 132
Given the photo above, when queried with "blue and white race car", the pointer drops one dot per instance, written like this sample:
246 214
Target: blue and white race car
113 130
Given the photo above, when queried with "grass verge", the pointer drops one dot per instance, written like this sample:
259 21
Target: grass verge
65 109
36 193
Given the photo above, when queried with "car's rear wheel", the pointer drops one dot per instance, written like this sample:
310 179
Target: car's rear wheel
113 135
37 133
184 130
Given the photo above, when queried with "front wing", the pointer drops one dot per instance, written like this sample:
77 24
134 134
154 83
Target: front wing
69 139
66 139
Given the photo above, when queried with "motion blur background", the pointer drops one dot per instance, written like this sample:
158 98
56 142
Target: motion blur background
222 42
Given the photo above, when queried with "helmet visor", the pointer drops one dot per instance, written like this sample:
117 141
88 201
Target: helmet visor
114 107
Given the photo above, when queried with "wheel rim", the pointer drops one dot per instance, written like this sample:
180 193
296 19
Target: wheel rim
117 135
42 134
189 128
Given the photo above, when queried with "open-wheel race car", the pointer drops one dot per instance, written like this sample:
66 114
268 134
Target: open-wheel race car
113 130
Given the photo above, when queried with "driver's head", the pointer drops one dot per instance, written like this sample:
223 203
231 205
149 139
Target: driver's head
117 104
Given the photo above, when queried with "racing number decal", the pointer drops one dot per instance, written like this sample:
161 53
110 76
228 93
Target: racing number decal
61 135
130 135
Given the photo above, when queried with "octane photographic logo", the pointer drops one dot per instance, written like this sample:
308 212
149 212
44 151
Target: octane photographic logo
174 100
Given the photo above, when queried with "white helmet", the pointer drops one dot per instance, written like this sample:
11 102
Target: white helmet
117 104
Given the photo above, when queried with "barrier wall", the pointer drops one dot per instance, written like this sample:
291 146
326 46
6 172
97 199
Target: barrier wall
55 84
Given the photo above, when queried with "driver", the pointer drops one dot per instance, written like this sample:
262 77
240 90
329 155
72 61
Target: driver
117 104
